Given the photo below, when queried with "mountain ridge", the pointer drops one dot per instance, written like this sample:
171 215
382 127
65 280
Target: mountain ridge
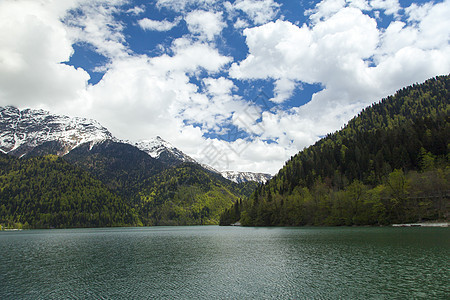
39 132
23 130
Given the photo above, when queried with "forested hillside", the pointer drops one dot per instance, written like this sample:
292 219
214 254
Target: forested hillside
48 192
388 165
110 184
186 195
121 167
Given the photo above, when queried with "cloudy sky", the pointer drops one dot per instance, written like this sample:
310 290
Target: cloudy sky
240 85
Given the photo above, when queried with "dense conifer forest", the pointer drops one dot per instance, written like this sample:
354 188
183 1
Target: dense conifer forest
188 195
48 192
112 185
390 164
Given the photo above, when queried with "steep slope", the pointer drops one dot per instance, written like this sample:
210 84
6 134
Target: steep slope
171 156
163 151
23 130
47 192
121 167
388 165
34 133
186 195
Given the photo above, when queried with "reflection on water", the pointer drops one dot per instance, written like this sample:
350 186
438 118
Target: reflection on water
226 262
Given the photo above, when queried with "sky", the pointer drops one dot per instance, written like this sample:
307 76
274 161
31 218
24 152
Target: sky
239 85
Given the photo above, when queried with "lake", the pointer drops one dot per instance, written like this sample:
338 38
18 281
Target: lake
212 262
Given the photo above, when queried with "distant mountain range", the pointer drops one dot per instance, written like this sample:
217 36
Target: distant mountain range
59 172
31 132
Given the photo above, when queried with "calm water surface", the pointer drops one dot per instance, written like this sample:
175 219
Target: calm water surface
226 263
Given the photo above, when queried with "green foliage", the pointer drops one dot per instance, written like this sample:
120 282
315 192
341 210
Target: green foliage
366 173
162 193
120 187
121 167
47 192
186 195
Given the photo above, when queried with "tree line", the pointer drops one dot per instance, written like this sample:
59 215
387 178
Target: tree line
389 164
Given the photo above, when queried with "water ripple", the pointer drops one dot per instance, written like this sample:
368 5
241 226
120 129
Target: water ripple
225 263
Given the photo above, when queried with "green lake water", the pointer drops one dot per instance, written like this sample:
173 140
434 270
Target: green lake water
214 262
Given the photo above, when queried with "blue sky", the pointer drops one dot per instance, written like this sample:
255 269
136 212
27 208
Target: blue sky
240 85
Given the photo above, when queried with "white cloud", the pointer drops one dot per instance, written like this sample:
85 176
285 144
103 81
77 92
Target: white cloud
360 4
205 24
343 50
390 7
191 57
93 22
219 86
181 6
137 10
325 9
259 11
284 88
240 24
418 12
154 96
164 25
33 44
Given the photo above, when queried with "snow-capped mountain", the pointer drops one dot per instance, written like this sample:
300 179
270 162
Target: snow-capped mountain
240 177
157 147
23 130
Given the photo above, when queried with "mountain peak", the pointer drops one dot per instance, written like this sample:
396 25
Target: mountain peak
23 130
157 146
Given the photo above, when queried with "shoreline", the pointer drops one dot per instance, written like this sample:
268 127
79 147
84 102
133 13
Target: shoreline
440 224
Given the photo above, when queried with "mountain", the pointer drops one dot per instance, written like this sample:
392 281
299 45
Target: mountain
186 195
163 151
116 171
23 130
240 177
390 164
35 133
120 166
167 153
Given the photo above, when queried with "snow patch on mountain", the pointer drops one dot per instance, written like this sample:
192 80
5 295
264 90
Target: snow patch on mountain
23 130
240 177
156 146
29 128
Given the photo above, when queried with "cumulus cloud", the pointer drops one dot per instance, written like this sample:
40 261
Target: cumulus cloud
93 22
258 11
325 9
343 50
205 24
390 7
163 25
33 44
